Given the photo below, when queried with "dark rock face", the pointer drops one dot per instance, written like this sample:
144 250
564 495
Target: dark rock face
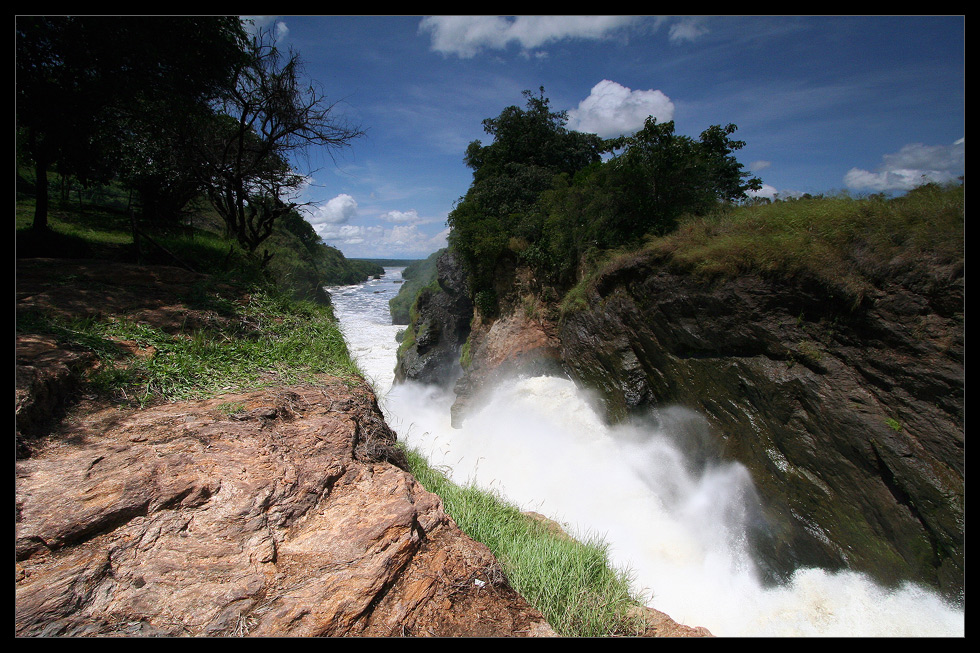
441 328
850 420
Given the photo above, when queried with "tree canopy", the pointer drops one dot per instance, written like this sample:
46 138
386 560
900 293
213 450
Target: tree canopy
543 194
104 97
171 108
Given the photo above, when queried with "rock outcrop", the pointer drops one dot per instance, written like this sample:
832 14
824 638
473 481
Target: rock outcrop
442 324
282 518
850 419
276 512
520 343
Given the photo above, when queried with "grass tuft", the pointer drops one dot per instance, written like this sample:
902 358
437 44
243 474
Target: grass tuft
570 582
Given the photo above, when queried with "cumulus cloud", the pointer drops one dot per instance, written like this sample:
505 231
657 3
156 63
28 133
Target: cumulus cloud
466 36
766 191
914 165
613 110
346 234
399 241
410 216
339 210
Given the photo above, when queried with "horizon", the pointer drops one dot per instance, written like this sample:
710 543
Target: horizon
825 104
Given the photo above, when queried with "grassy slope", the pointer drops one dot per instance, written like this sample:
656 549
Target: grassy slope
847 245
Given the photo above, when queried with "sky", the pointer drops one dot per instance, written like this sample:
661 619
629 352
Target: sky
824 104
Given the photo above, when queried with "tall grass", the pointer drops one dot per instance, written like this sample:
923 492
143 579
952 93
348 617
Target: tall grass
570 582
848 244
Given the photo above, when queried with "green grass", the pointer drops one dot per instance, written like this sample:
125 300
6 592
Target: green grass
271 340
571 583
849 245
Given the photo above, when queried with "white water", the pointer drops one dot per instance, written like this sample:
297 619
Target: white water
682 533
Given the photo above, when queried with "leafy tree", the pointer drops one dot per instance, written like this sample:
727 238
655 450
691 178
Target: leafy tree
530 146
662 175
268 115
97 95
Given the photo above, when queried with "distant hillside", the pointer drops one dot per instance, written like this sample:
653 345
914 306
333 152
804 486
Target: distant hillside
417 275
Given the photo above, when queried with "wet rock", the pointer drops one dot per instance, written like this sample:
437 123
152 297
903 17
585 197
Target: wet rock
850 419
441 328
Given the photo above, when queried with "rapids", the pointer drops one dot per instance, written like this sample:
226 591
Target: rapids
678 525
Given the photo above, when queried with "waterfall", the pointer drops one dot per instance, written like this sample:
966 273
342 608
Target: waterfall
678 522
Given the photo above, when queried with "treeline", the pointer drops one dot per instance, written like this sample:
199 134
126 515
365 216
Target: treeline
551 198
173 113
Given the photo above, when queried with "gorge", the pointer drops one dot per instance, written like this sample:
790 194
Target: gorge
824 444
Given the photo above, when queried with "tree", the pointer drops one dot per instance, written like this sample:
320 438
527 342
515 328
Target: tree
662 175
268 117
95 93
530 147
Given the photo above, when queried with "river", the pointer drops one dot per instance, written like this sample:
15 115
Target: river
680 529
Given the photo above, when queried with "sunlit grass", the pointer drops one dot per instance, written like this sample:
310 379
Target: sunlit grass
571 583
847 244
268 341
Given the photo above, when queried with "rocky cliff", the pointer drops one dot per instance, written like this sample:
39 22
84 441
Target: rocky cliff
276 512
850 419
439 327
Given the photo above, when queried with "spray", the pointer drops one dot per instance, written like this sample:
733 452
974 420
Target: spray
673 514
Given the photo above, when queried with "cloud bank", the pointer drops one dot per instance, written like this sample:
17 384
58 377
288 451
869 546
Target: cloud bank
914 165
403 239
466 36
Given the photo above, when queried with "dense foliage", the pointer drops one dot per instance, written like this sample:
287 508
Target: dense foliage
417 275
544 195
172 109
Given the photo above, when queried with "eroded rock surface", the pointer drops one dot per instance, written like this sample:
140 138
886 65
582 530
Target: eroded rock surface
276 512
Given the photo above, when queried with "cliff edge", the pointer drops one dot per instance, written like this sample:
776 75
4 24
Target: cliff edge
274 512
849 418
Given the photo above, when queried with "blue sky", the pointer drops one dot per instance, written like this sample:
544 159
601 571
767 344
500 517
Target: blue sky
824 103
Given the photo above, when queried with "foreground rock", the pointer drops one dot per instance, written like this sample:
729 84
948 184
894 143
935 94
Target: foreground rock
277 512
281 518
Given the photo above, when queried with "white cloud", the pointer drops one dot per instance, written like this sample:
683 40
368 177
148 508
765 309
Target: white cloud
339 210
613 109
914 165
756 166
689 28
400 241
401 216
765 191
465 36
346 234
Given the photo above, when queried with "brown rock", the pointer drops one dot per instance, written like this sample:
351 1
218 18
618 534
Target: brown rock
276 512
181 520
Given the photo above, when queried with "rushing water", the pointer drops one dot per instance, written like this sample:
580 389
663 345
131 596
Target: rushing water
679 527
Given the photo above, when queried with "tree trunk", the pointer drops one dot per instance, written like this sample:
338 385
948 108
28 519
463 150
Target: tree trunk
41 189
